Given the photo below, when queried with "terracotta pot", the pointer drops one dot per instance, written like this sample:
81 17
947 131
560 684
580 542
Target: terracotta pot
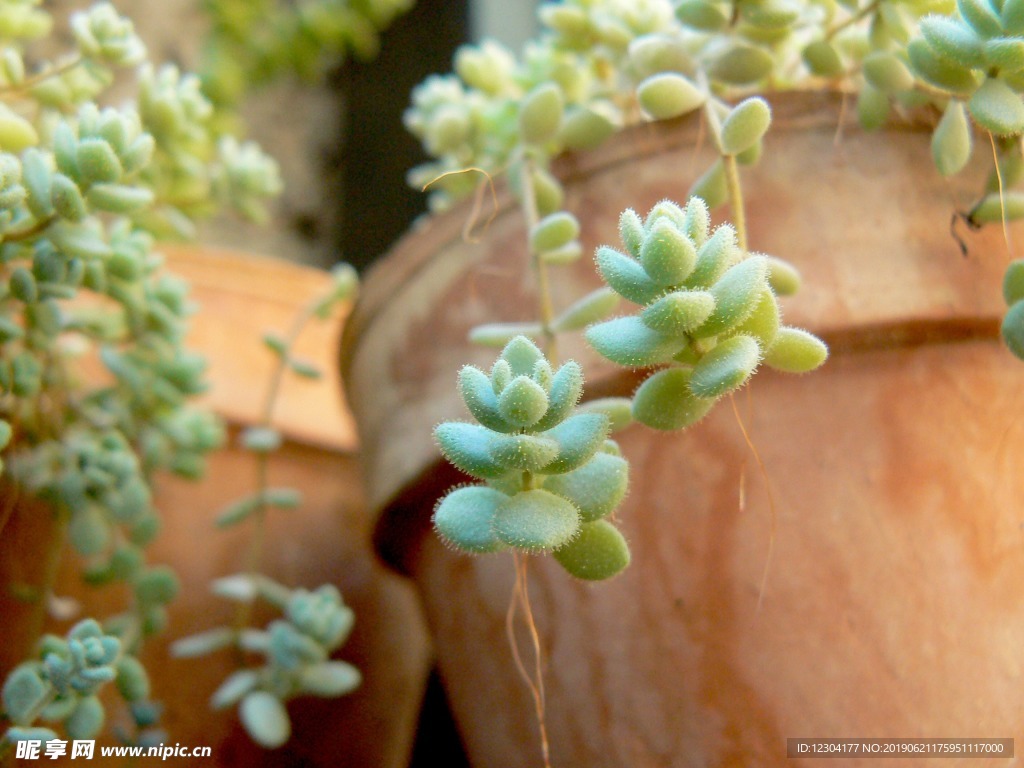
326 540
889 603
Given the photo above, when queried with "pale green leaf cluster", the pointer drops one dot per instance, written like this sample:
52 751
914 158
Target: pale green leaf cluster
709 313
552 478
62 686
296 652
252 42
84 191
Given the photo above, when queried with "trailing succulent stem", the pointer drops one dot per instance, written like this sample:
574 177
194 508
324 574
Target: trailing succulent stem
296 649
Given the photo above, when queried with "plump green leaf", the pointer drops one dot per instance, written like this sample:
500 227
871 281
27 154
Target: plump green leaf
329 679
1013 329
714 257
994 206
741 65
595 306
522 402
667 255
465 518
265 719
1013 282
536 521
872 108
939 71
565 254
499 334
822 59
478 394
87 719
736 295
887 72
703 15
596 488
522 355
554 231
664 401
1006 53
726 367
783 277
667 95
565 391
696 221
132 680
234 687
796 351
586 128
597 553
540 114
523 452
655 53
625 276
951 141
617 409
997 108
711 186
676 314
953 40
579 437
746 123
764 322
203 643
1012 17
631 231
468 447
627 341
981 16
23 692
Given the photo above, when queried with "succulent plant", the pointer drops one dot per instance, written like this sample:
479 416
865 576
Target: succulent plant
552 476
709 313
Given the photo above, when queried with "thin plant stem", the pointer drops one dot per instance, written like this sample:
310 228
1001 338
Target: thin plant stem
254 554
30 82
863 13
545 307
739 216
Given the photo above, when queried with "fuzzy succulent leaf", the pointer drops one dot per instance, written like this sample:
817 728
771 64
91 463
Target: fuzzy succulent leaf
465 518
536 521
678 313
599 552
997 108
329 679
265 719
468 447
667 255
665 401
628 341
726 367
796 351
578 438
563 395
736 295
478 395
626 276
596 489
